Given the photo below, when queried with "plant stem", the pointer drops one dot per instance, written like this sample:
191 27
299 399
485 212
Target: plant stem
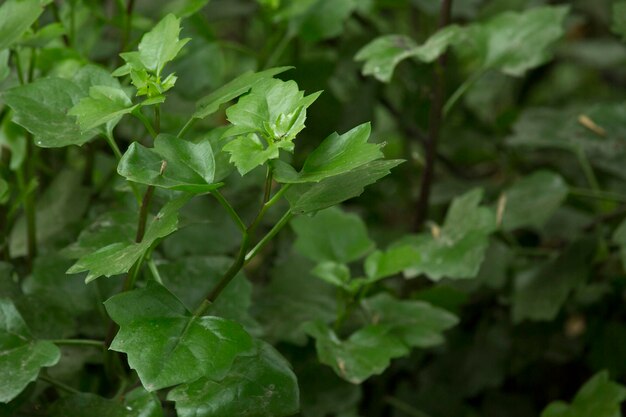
29 202
78 342
587 169
269 236
143 213
186 127
118 155
157 118
155 271
434 126
59 384
139 115
229 208
113 145
242 259
460 91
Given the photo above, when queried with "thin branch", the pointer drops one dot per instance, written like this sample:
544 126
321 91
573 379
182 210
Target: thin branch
434 126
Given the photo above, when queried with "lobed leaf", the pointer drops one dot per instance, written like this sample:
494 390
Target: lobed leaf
117 258
21 356
256 386
173 163
599 397
167 345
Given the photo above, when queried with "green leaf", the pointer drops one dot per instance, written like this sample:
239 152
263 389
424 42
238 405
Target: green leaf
137 403
167 345
366 352
315 20
332 235
21 357
540 293
185 8
109 228
532 200
337 154
334 273
597 130
513 42
48 281
16 16
304 198
256 386
231 90
599 397
383 54
104 105
191 278
618 25
415 323
5 71
41 108
248 152
455 250
274 109
117 258
173 163
619 237
161 44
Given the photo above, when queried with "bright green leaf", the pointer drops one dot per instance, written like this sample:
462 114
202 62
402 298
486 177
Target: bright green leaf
599 397
248 152
332 235
173 163
117 258
21 357
167 345
337 154
161 44
304 198
231 90
256 386
104 105
273 108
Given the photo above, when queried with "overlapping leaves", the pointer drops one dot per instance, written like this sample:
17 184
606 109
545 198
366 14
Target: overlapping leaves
167 345
21 356
511 42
